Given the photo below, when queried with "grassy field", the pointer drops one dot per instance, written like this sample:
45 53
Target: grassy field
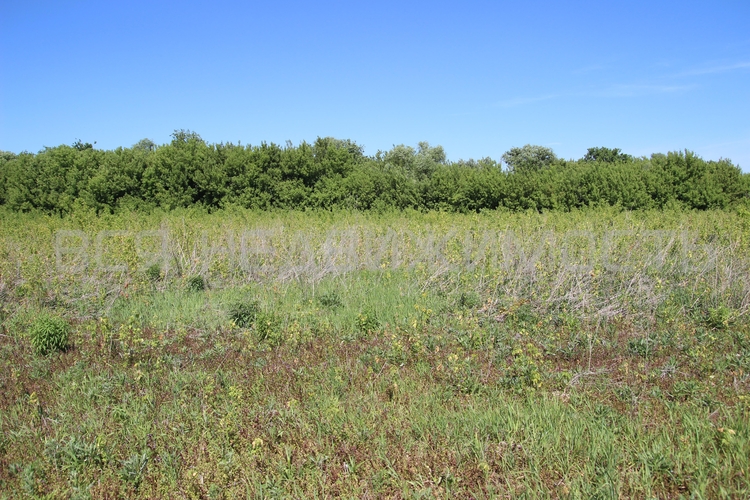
593 354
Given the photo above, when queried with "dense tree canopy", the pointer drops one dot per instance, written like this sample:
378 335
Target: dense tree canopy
333 173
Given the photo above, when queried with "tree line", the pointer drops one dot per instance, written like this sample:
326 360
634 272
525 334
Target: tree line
332 173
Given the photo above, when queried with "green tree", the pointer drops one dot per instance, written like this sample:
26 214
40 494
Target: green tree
145 145
181 173
82 146
417 164
6 158
606 155
183 136
529 158
118 178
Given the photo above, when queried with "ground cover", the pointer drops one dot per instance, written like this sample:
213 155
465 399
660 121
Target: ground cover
597 353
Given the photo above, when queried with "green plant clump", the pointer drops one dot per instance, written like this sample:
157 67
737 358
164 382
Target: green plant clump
244 313
153 273
196 284
49 334
332 300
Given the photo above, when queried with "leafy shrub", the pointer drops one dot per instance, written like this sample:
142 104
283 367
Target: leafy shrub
529 158
153 273
331 300
642 346
268 327
683 390
367 321
463 374
335 173
718 317
49 334
33 477
524 372
468 300
196 284
244 313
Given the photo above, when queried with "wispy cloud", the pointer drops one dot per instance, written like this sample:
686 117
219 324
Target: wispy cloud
594 68
637 90
744 142
520 101
620 90
716 69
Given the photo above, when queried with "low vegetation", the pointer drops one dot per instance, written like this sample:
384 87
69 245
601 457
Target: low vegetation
597 354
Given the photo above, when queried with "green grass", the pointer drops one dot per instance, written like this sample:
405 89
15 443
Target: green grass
422 376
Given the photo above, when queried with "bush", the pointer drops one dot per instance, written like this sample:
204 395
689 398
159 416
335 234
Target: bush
269 328
196 284
718 317
153 273
331 300
367 321
49 334
244 313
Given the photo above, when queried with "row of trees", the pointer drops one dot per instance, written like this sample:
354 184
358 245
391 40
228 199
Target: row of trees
333 173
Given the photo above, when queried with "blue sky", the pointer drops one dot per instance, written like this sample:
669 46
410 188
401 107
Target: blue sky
477 79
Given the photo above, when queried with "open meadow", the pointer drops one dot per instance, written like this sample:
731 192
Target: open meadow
596 353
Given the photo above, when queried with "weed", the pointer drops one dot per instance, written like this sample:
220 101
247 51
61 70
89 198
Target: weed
153 273
468 300
367 321
642 346
331 300
74 454
49 334
196 284
268 327
33 477
524 371
133 469
463 374
244 314
685 390
718 317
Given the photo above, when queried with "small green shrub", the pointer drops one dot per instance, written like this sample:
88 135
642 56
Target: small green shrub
269 328
684 390
642 346
463 374
153 273
33 476
367 321
196 284
524 372
244 313
468 300
332 300
718 317
49 334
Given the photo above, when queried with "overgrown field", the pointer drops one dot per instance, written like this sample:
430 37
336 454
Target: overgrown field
590 354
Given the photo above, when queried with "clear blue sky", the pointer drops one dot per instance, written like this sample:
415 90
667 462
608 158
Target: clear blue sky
478 78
